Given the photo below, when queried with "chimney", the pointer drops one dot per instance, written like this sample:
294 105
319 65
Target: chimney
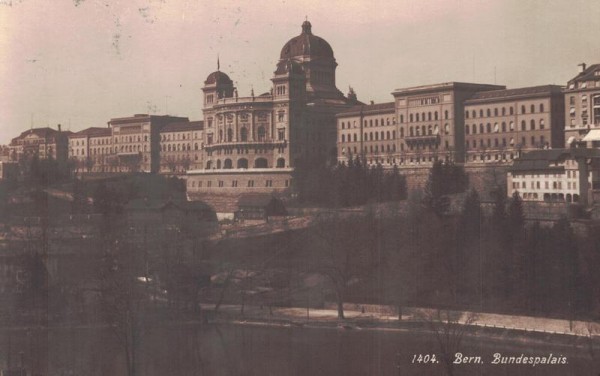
372 102
581 67
59 127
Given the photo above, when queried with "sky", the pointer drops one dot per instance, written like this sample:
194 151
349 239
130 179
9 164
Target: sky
80 63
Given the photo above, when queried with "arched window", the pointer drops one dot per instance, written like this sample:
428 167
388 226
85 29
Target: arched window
446 114
488 112
532 124
261 133
503 111
541 107
523 125
410 132
429 116
260 163
503 126
355 137
242 163
227 164
417 115
467 128
280 162
488 128
523 111
208 165
495 112
243 134
387 135
511 110
218 164
466 114
343 138
542 124
410 118
481 128
532 108
474 113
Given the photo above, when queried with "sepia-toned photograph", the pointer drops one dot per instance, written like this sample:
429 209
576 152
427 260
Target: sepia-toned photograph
303 188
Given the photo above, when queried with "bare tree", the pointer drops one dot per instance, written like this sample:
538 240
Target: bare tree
123 300
341 251
449 328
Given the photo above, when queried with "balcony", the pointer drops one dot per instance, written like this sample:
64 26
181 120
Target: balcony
423 139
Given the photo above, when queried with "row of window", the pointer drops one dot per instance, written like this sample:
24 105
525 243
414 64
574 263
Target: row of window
233 183
424 116
180 136
538 185
371 123
472 129
502 111
503 143
179 147
243 163
371 136
123 139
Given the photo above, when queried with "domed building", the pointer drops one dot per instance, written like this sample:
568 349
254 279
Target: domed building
252 144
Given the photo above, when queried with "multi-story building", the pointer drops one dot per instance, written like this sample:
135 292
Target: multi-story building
500 124
582 104
89 148
431 120
369 132
252 139
136 141
101 150
42 142
181 145
556 175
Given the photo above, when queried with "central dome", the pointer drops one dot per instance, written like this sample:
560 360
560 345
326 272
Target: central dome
306 44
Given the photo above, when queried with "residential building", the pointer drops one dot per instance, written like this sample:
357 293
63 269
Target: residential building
136 141
82 153
181 145
556 175
431 121
500 124
582 104
43 142
370 133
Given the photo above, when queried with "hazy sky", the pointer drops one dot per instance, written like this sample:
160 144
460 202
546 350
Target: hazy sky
81 62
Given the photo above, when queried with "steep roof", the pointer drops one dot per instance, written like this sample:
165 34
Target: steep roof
588 74
45 133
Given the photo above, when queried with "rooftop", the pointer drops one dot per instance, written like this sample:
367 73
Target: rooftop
588 74
183 126
548 159
545 90
368 109
92 132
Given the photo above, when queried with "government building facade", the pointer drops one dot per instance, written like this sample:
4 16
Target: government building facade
252 144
